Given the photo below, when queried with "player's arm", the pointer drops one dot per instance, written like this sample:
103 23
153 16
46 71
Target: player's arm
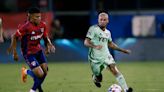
113 46
12 48
50 48
89 36
88 43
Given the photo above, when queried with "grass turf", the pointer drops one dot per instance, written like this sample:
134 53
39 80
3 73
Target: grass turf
76 77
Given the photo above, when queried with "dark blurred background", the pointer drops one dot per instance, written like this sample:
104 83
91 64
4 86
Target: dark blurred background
135 24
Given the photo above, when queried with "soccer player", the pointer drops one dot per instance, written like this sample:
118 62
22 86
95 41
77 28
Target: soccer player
30 34
98 39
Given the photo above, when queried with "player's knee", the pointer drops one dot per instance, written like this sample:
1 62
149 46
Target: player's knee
114 70
44 68
45 71
115 73
41 75
38 72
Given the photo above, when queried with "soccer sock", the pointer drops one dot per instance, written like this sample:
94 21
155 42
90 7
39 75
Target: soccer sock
37 83
40 87
29 72
121 80
42 79
97 78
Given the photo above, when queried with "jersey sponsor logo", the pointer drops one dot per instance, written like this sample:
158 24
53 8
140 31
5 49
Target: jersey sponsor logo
33 63
102 39
36 37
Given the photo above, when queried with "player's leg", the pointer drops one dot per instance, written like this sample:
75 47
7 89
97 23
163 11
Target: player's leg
43 64
26 72
96 70
41 58
45 70
36 71
119 77
39 79
37 74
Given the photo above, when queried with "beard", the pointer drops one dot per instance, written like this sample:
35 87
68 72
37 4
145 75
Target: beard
102 26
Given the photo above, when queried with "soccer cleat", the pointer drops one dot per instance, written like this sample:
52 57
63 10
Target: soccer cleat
23 74
32 90
98 84
130 90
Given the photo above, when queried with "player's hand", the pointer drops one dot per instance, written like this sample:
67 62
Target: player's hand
11 50
15 56
50 49
98 47
127 51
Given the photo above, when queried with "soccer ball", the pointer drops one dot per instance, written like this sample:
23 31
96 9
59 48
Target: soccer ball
115 88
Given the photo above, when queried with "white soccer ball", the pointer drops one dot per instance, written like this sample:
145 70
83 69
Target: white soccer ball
115 88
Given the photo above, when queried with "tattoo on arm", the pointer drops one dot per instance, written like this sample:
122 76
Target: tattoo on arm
114 46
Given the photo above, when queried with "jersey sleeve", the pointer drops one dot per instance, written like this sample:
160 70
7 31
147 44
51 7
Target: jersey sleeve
90 33
20 31
45 33
110 37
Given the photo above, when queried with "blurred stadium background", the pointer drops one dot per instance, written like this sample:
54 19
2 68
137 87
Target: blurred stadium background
137 25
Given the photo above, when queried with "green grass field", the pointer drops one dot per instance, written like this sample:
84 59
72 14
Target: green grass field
76 77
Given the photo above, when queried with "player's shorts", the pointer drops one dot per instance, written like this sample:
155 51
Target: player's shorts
34 60
97 65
